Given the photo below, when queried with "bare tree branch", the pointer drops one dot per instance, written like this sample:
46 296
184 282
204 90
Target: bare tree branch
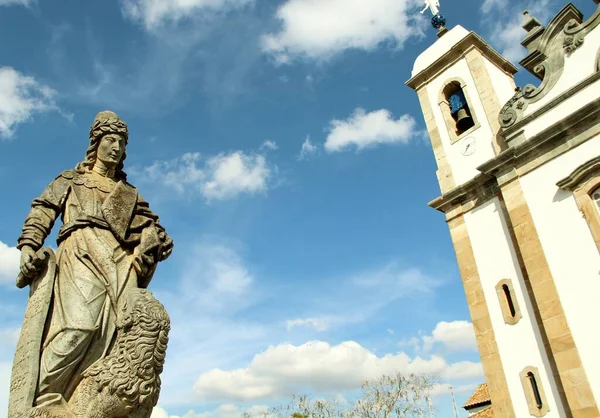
389 396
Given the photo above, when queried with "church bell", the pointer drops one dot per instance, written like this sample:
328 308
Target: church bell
459 110
463 120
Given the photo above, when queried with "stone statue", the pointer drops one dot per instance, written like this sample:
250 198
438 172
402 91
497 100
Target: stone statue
433 5
94 340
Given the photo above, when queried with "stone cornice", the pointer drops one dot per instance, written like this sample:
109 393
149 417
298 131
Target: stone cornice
472 193
567 131
472 40
580 175
509 133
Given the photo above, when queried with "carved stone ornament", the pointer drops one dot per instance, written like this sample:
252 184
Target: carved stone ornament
94 340
559 40
575 32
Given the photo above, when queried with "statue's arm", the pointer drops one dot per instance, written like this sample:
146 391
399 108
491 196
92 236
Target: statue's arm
144 218
44 211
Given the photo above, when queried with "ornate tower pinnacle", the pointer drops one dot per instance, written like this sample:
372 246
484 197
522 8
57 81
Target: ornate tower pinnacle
437 21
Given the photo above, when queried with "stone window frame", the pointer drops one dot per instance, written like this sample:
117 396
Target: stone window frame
595 195
505 290
530 379
583 182
445 109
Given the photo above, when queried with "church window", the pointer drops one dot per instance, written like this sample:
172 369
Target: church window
584 183
596 197
508 302
534 392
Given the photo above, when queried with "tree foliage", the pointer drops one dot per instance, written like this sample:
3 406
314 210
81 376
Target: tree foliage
390 396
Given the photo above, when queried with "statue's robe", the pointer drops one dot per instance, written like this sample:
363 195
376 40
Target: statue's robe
106 224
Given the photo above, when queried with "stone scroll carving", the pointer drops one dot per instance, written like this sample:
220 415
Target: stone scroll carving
94 339
575 32
546 60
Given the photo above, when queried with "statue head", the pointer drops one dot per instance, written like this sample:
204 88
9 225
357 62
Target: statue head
108 140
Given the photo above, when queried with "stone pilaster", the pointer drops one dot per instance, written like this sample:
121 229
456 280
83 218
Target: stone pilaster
488 96
569 372
482 324
444 172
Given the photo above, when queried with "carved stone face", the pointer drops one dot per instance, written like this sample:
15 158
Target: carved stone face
111 149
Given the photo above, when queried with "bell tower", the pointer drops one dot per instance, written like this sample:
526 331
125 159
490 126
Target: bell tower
462 83
519 175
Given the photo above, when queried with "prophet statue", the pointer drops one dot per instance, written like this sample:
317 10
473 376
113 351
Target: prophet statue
94 339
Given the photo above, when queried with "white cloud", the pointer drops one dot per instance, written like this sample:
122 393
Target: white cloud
394 281
369 291
286 369
232 174
413 342
212 284
21 97
155 12
217 278
444 389
224 176
364 130
9 263
320 29
320 324
25 3
270 145
8 343
455 336
488 5
158 412
5 371
506 19
178 173
222 411
219 320
308 148
9 338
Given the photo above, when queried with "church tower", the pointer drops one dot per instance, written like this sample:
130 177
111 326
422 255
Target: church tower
519 175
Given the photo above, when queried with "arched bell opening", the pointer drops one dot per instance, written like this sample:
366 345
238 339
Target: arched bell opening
456 107
459 108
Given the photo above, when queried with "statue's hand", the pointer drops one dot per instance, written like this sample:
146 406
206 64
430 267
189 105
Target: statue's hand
143 264
28 261
167 246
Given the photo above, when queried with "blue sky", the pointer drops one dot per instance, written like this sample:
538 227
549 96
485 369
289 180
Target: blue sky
288 161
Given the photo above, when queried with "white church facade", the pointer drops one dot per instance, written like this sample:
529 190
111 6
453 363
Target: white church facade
519 173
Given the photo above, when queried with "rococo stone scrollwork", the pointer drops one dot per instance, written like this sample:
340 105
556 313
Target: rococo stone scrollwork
573 37
575 32
564 35
513 109
94 340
